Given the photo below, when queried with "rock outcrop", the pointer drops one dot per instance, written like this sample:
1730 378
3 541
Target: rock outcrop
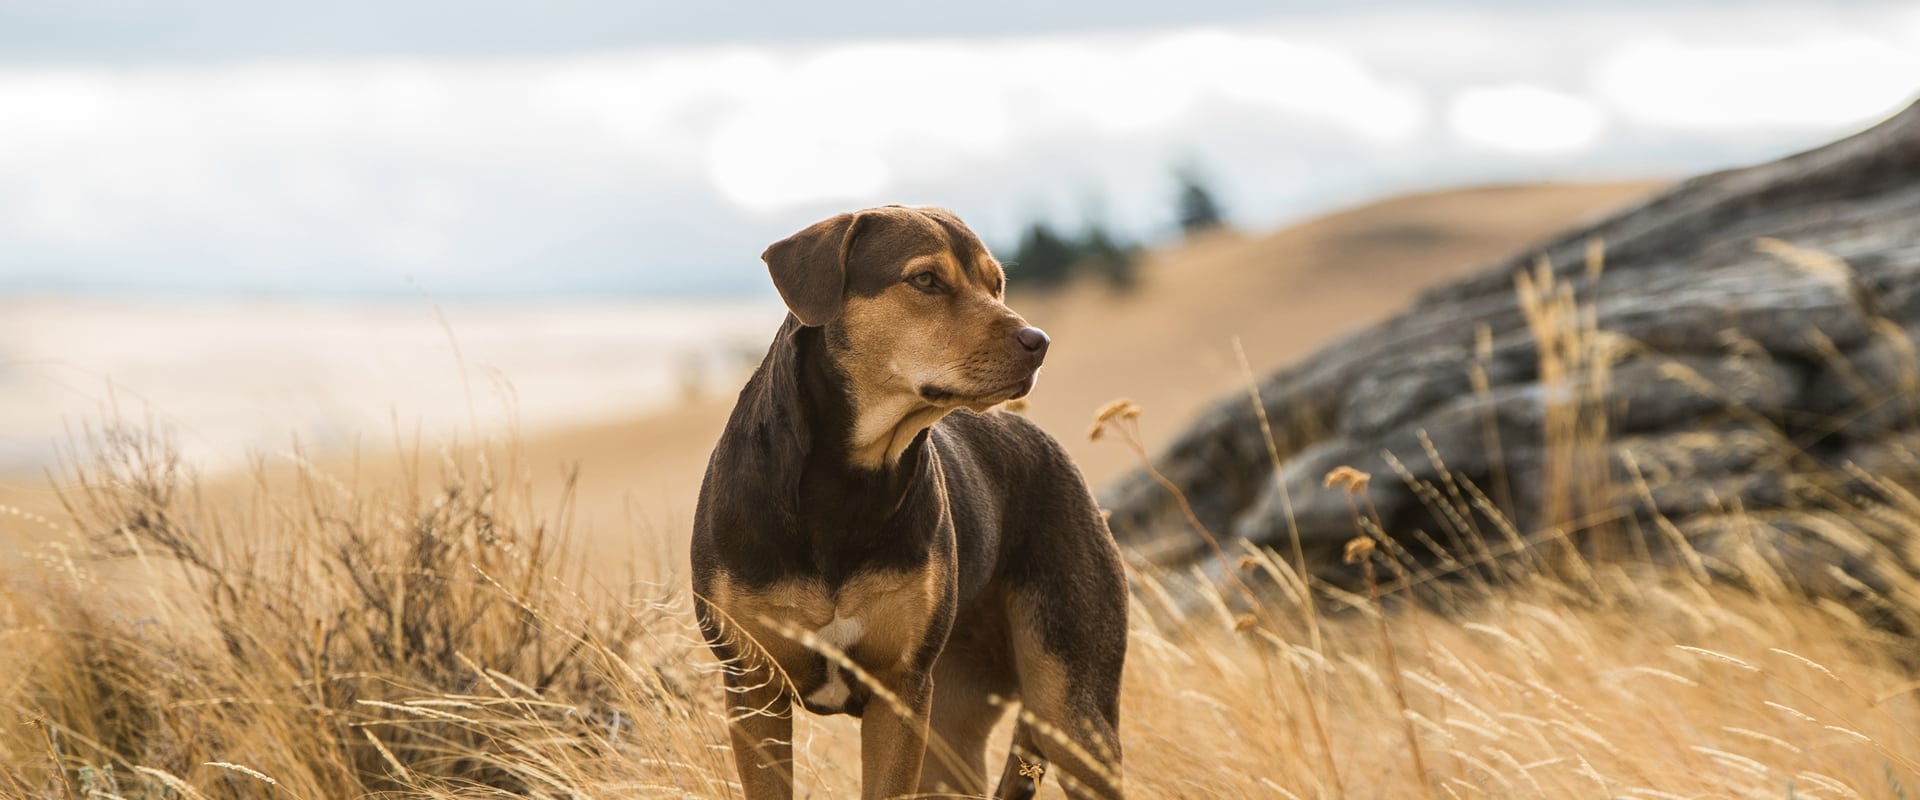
1740 372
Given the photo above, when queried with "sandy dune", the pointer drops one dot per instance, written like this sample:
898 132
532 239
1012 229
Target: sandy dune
1167 346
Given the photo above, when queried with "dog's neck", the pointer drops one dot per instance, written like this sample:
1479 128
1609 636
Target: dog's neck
816 449
873 420
885 425
864 415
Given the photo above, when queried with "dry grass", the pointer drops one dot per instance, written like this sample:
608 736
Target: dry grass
325 641
328 641
331 640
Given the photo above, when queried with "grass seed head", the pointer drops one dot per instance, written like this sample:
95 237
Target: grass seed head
1346 478
1112 413
1357 548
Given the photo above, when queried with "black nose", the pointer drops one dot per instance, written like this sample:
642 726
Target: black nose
1035 341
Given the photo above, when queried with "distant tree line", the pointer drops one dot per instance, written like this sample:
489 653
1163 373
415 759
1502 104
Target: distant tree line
1047 257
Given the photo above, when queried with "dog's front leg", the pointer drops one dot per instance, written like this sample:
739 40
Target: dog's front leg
760 726
893 736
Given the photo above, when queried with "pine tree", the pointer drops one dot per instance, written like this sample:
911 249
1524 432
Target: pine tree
1199 212
1043 257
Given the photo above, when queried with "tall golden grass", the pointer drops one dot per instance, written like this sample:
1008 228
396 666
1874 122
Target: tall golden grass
436 638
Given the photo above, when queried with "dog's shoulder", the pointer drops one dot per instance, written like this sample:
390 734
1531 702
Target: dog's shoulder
1005 433
1008 449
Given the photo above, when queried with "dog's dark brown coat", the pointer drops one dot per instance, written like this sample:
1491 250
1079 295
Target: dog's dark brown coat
867 543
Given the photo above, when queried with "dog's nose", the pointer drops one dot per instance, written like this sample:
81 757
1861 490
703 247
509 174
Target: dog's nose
1035 341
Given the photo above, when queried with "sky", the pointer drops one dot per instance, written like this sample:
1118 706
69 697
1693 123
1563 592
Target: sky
568 148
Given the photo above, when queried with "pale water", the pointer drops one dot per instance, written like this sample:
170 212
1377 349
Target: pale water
230 378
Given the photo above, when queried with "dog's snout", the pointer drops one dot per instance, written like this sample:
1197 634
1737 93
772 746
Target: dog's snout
1034 340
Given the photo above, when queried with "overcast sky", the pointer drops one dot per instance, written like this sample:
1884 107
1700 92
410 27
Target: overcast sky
579 147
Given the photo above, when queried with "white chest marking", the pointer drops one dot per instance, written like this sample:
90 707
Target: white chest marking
842 634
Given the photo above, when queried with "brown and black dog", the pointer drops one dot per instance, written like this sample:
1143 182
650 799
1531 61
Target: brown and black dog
872 540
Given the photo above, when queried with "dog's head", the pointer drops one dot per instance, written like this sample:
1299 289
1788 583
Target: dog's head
913 306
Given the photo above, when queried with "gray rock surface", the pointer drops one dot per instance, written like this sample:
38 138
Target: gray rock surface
1751 383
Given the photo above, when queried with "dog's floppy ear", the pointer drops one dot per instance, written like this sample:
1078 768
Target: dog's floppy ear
810 268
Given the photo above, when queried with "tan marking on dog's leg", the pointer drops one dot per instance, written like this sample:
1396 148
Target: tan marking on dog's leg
1068 729
893 741
760 727
759 687
896 608
961 720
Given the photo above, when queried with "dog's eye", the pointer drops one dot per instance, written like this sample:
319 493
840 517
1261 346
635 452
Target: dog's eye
924 281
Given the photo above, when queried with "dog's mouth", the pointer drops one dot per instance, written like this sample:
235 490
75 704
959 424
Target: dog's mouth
1025 385
940 395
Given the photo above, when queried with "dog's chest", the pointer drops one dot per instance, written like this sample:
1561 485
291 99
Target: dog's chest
876 620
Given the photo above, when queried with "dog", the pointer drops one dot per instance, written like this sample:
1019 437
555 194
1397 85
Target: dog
872 539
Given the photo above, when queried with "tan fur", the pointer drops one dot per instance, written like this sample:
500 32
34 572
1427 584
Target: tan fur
897 607
760 721
748 619
1058 725
759 709
888 356
893 607
893 745
960 725
1043 679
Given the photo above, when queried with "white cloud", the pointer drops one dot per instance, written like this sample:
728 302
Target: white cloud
842 123
774 128
1311 82
369 169
1524 119
1817 80
839 123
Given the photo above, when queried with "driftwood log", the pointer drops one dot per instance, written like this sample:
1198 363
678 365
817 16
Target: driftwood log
1740 373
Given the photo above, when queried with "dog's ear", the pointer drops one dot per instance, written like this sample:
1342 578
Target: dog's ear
810 268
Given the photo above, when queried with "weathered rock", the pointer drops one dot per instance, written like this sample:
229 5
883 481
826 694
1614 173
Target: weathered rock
1760 326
